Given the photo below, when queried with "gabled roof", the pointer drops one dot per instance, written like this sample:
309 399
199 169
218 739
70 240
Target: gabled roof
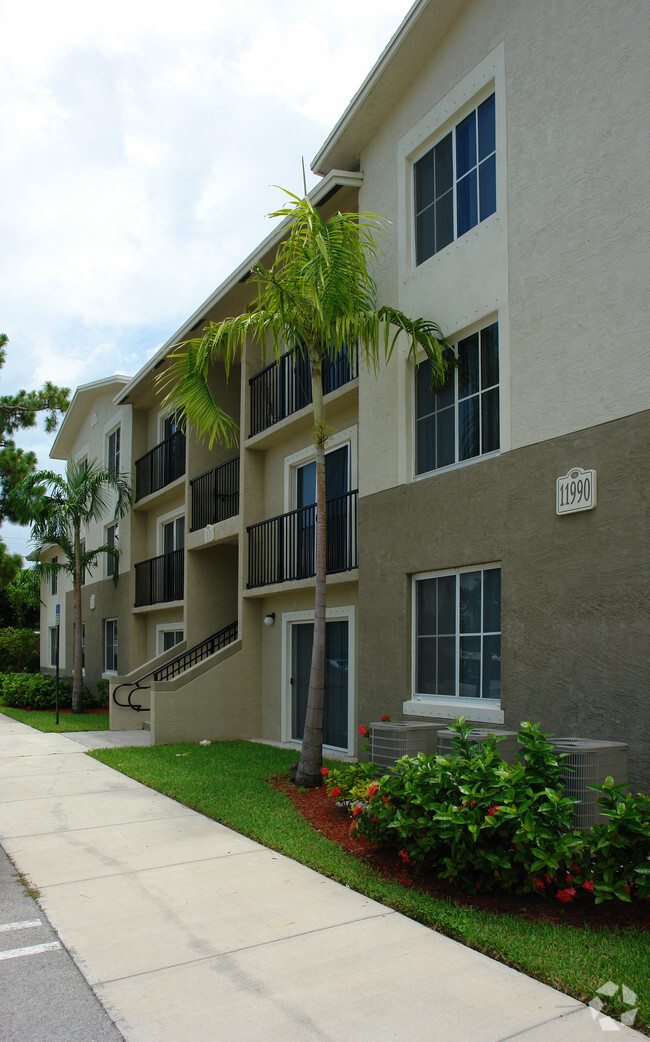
418 36
78 408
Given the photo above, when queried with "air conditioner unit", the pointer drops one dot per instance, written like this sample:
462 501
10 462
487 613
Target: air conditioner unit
592 761
390 740
507 749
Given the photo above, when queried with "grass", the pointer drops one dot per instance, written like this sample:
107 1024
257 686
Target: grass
227 781
46 721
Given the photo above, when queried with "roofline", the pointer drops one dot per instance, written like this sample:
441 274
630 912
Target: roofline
318 195
93 385
361 96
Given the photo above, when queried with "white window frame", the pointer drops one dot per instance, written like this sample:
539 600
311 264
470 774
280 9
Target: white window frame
298 459
166 519
168 627
164 415
115 429
475 328
114 644
449 706
346 611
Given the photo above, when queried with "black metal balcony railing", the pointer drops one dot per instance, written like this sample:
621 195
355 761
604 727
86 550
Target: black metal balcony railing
284 387
284 548
215 495
159 467
160 579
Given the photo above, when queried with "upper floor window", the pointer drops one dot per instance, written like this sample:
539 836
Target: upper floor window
114 451
462 420
455 182
54 578
112 539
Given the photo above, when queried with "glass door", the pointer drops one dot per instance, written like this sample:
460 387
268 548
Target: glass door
335 713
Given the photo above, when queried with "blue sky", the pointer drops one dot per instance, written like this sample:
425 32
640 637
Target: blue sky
140 145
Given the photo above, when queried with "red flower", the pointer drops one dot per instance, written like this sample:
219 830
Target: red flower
492 811
356 811
568 878
405 857
373 790
566 895
477 885
385 799
324 771
363 730
385 718
539 882
588 885
335 792
374 820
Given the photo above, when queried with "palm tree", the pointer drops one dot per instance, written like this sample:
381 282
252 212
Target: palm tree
317 299
57 508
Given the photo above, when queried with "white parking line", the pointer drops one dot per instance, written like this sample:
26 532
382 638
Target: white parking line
25 925
35 949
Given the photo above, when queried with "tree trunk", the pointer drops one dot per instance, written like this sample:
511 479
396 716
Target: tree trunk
77 681
311 755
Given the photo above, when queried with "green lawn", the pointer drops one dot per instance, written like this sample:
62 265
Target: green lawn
43 721
227 782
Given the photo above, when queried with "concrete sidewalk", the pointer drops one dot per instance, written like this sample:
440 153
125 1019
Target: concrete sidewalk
189 931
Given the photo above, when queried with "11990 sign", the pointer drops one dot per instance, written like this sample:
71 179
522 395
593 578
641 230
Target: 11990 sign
575 491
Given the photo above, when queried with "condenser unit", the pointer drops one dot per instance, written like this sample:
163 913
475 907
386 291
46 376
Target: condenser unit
588 762
507 749
390 740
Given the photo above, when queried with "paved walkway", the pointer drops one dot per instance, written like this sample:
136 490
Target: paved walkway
189 931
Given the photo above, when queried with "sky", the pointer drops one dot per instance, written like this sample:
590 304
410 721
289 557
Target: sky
140 148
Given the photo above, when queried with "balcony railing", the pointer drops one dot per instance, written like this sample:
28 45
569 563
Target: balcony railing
160 579
159 467
215 495
284 387
284 548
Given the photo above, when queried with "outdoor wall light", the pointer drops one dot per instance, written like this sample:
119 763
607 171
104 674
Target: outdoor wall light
269 619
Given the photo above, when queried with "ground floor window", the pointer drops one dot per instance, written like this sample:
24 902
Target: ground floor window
457 634
110 645
53 645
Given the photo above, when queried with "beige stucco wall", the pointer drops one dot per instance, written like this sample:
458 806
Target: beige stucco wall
562 263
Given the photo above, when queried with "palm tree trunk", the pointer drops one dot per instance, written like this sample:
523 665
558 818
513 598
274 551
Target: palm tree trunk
77 681
311 756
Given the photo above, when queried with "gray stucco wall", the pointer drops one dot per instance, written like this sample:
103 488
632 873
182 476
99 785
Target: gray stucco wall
575 618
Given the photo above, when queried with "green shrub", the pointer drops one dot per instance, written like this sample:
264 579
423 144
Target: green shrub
349 782
617 860
475 820
19 651
34 691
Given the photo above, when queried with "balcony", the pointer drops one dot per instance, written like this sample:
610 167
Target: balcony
159 467
215 495
160 579
284 387
284 548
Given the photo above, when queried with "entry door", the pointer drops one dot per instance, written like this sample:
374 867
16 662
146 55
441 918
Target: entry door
335 714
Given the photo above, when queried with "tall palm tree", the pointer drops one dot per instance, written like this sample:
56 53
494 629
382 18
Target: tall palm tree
58 507
317 299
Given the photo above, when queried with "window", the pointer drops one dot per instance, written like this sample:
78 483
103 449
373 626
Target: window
461 421
54 578
53 645
112 539
110 645
171 424
173 535
114 451
458 634
455 182
170 638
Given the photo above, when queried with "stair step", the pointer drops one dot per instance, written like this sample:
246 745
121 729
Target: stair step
146 726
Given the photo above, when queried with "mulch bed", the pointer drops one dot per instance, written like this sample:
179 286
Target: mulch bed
333 822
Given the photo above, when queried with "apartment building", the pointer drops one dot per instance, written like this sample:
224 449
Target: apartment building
487 544
94 429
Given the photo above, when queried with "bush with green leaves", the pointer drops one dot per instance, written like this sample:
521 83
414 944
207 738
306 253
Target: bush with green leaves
34 691
19 651
616 863
475 820
349 783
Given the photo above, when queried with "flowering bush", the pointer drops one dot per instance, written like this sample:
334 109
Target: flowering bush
617 861
350 782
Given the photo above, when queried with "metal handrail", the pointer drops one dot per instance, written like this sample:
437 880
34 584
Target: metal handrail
178 665
215 495
160 466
